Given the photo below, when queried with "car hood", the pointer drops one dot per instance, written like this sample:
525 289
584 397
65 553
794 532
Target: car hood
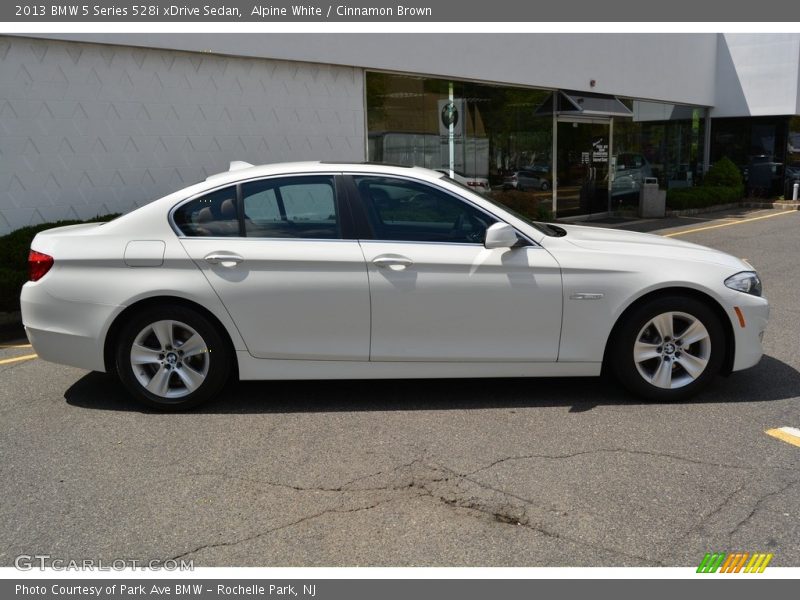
633 243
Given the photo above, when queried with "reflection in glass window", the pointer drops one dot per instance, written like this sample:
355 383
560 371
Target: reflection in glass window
291 207
792 170
498 130
405 210
212 215
759 146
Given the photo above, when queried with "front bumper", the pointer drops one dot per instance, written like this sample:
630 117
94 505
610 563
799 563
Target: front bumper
748 338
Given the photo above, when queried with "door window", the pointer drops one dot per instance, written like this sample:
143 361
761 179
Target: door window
291 207
404 210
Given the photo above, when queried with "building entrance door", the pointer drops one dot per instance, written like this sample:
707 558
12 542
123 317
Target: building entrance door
583 150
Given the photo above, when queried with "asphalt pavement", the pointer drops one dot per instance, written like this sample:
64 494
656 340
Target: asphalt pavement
508 472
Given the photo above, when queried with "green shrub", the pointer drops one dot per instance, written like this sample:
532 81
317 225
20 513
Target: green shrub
723 173
14 248
702 196
10 285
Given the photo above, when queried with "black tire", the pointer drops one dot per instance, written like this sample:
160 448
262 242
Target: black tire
545 186
208 368
520 188
634 375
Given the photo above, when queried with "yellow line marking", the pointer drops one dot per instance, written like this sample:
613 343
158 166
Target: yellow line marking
786 212
17 359
766 562
15 346
784 436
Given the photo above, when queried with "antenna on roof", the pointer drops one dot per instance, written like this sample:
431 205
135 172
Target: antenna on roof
239 164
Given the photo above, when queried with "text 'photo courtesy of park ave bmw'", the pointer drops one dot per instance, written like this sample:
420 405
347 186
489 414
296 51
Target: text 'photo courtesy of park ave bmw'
319 270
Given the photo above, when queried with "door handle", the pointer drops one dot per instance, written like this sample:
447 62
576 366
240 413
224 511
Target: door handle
396 263
224 259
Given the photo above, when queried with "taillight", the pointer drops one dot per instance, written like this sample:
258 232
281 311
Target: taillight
38 265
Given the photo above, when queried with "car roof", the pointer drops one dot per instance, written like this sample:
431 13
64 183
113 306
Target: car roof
240 170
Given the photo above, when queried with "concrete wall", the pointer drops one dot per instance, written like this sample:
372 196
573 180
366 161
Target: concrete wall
757 75
675 67
90 129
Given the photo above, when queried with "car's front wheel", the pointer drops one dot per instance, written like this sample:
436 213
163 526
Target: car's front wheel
668 348
172 358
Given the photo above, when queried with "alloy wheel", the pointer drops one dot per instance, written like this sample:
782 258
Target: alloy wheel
672 350
169 359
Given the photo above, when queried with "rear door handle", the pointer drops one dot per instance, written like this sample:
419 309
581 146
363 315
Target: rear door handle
224 259
396 263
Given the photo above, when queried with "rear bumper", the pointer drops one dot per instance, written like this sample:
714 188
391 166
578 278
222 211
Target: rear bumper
65 332
749 348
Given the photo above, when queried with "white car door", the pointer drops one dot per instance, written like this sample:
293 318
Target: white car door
438 295
294 287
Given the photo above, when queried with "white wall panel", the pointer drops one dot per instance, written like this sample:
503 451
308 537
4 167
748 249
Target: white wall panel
88 129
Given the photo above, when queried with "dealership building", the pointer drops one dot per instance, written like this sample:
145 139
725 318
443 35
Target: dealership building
102 123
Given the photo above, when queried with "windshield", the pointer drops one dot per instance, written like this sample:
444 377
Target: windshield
541 227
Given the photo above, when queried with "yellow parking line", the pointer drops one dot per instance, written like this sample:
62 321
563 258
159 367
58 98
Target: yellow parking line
15 346
790 435
786 212
17 359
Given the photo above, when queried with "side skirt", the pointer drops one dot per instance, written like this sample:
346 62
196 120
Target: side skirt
259 368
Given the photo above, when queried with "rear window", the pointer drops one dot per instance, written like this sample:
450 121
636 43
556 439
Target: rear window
212 215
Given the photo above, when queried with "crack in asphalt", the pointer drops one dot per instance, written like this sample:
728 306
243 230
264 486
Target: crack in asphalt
757 505
426 483
428 479
278 528
625 451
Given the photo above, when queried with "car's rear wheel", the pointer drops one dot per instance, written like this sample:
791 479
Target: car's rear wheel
545 186
668 348
172 358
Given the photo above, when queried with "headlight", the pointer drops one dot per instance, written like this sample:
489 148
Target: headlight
746 281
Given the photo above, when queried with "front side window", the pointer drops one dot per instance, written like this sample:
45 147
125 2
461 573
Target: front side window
212 215
291 207
404 210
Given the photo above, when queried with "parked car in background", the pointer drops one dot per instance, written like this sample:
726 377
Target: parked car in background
534 177
479 184
630 173
364 271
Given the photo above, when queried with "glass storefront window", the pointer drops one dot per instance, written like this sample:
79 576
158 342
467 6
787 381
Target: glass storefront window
660 141
500 133
760 147
792 168
605 147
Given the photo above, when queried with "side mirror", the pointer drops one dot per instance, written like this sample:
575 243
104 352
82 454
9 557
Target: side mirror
500 235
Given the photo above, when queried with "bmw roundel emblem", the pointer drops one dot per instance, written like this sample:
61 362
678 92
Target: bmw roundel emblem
449 114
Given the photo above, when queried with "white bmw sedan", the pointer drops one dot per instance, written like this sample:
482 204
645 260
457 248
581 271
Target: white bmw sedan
362 271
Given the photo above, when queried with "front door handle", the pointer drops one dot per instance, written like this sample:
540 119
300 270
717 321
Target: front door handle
224 259
393 262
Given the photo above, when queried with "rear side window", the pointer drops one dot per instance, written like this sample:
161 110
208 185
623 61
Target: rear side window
212 215
291 207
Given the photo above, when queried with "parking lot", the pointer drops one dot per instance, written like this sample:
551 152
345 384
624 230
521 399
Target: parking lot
538 472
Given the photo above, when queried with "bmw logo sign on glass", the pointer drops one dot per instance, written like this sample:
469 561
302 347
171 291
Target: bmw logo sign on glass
449 114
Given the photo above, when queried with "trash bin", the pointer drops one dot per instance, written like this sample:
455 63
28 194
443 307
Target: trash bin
652 201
